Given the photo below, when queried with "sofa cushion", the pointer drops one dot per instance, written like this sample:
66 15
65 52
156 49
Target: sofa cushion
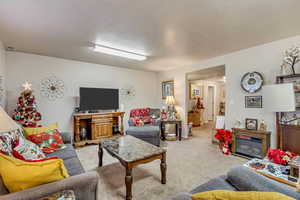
70 158
245 179
245 195
73 166
143 131
218 183
66 153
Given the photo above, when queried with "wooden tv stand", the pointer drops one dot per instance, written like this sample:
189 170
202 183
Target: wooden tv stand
97 125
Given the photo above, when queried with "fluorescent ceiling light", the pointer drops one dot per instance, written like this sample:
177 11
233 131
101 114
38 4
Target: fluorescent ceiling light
118 52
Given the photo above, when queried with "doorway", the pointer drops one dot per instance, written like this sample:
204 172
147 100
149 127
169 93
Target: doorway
206 101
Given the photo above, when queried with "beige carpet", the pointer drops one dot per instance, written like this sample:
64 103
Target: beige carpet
190 162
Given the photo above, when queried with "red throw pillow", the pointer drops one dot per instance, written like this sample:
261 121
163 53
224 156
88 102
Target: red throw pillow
49 141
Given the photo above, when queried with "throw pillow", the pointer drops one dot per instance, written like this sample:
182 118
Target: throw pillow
19 175
7 139
49 141
5 148
25 150
37 130
231 195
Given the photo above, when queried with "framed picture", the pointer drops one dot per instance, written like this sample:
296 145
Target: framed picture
167 89
251 124
196 91
253 101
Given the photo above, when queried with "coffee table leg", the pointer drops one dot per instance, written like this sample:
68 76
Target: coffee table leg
163 169
100 155
128 182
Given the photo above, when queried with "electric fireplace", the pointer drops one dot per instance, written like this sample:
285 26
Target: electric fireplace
250 143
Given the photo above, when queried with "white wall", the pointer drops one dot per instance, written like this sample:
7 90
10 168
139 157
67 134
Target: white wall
23 67
265 59
2 74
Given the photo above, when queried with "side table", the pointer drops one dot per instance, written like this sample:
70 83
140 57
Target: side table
178 127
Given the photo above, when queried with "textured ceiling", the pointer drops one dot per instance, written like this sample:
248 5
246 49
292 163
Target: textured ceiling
173 33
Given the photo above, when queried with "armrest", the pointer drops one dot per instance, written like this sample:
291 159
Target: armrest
245 179
131 122
83 185
67 138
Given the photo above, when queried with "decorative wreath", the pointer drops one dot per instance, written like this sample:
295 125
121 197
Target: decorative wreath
52 88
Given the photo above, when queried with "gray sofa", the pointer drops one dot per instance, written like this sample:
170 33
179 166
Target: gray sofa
84 184
241 179
149 132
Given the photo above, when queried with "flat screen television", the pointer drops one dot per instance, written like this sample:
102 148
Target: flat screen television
98 99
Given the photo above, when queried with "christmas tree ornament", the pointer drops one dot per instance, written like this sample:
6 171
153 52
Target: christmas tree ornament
26 113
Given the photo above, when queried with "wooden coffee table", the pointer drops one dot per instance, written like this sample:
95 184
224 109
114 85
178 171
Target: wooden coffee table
131 151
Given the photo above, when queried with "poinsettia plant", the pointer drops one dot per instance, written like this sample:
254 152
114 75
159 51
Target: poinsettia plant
280 157
225 139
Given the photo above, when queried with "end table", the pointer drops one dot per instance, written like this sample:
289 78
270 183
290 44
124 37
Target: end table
178 127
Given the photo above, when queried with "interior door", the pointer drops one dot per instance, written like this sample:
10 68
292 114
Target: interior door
210 103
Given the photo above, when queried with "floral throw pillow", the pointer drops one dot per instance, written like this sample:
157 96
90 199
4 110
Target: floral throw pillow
49 141
7 139
5 148
25 150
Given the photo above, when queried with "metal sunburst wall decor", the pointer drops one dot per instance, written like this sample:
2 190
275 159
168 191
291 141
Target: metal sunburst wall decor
52 88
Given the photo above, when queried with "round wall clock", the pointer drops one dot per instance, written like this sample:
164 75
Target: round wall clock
252 82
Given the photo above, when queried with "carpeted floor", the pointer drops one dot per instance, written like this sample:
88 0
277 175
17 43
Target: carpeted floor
190 162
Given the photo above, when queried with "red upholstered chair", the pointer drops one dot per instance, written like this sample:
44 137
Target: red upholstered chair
144 123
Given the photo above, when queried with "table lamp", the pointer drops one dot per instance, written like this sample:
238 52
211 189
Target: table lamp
6 122
170 101
280 98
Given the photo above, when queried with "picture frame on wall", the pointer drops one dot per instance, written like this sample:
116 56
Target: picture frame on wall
167 89
251 124
196 91
253 101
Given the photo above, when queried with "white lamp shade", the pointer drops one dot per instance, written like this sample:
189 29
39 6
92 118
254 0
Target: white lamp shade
170 100
279 98
6 122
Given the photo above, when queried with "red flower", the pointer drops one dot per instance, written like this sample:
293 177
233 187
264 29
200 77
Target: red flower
280 157
224 136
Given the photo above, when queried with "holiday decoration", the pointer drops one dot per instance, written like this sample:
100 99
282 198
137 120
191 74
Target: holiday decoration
52 88
292 56
199 104
225 139
280 157
26 113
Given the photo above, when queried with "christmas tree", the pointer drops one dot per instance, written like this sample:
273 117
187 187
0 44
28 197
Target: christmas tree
26 113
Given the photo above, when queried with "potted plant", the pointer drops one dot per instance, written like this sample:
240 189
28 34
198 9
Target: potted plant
225 140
